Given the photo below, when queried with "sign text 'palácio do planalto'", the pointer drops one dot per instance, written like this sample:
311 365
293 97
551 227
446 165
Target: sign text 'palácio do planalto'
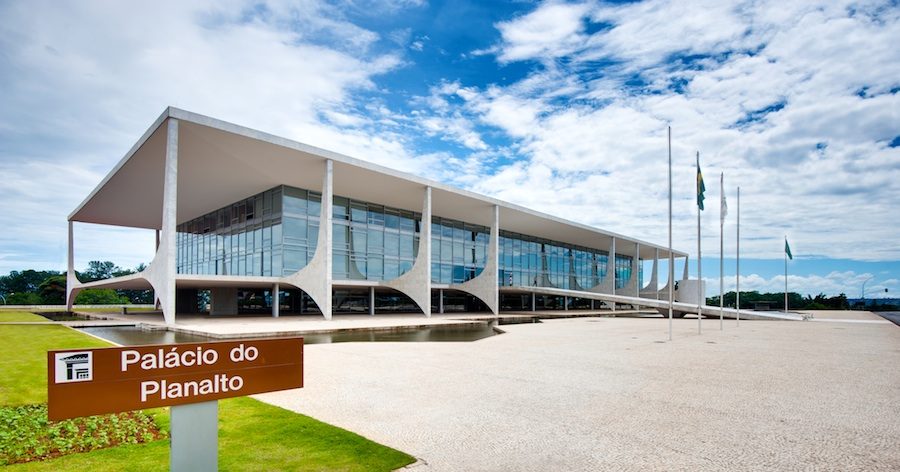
86 382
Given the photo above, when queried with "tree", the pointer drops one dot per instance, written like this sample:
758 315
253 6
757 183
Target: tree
24 281
98 270
100 296
53 290
23 298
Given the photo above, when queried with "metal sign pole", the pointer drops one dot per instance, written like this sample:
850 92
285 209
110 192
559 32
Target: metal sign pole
194 442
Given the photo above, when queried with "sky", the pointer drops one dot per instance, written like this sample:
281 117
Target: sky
562 107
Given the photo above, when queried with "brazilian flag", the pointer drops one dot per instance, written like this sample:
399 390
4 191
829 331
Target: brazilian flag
787 250
700 186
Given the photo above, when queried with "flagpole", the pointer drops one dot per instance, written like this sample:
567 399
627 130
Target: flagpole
785 275
722 252
699 264
737 298
671 257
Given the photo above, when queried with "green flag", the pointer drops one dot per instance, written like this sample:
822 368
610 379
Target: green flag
700 186
787 250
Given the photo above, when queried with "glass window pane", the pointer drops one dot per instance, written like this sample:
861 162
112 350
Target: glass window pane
391 219
376 241
358 212
295 229
391 244
376 268
358 243
406 246
391 269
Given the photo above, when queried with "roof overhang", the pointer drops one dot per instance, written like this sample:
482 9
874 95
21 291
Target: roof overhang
220 163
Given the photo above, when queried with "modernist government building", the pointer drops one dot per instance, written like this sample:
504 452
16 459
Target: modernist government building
248 222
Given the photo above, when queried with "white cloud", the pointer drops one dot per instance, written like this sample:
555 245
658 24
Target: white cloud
81 81
768 93
552 30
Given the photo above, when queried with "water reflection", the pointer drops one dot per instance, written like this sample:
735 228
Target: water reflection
132 336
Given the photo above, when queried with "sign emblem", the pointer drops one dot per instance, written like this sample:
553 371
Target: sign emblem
74 366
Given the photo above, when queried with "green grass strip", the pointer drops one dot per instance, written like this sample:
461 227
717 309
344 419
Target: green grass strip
23 359
7 316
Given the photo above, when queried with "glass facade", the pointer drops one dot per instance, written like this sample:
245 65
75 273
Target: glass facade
240 239
458 250
275 233
535 262
373 242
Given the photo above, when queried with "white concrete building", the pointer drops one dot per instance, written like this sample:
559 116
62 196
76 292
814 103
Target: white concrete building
244 218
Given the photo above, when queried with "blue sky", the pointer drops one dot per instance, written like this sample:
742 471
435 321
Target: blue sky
558 106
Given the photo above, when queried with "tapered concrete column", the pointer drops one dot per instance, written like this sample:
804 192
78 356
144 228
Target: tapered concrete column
487 286
631 285
635 288
316 278
276 301
72 283
157 240
651 290
416 284
371 301
162 271
612 278
612 262
608 284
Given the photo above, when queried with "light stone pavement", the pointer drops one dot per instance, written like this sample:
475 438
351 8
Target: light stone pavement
611 394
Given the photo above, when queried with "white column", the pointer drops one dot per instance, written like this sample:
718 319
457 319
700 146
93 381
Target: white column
611 269
416 284
372 301
441 301
316 279
162 271
565 303
276 301
656 274
494 254
327 201
157 240
486 287
635 270
611 272
533 302
72 282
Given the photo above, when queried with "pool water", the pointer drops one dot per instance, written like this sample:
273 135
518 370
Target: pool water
134 336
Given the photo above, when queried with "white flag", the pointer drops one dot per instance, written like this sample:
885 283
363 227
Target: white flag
724 210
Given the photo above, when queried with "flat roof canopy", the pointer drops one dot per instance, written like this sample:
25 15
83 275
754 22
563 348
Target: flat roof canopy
220 163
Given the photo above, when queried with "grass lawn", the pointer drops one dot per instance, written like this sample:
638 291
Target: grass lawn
10 315
23 359
252 435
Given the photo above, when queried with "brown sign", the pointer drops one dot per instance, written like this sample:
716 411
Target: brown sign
84 382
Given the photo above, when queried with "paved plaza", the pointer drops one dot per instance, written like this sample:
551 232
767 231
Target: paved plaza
613 394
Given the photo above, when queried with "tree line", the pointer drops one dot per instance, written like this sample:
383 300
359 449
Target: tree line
48 287
775 301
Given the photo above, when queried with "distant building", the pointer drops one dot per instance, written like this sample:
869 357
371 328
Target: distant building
245 218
